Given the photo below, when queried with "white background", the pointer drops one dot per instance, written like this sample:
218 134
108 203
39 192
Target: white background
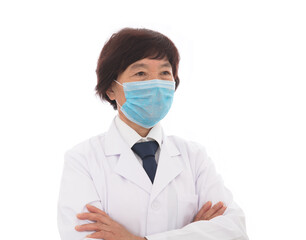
242 95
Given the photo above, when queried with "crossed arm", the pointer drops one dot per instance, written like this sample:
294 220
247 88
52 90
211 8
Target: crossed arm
108 229
77 190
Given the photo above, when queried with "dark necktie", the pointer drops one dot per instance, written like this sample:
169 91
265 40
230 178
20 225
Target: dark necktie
147 150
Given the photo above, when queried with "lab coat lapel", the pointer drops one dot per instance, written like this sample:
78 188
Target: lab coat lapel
129 168
169 166
127 165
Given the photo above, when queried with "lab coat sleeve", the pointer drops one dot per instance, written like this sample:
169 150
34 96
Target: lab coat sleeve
209 187
77 189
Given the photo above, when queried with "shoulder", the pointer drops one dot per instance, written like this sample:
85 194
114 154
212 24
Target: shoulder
84 148
191 151
187 145
193 154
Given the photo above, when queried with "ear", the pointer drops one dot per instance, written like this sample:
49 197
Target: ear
110 92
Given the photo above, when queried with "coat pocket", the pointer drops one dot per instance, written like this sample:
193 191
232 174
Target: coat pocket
187 209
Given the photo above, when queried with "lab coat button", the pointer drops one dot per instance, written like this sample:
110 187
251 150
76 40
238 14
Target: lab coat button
155 205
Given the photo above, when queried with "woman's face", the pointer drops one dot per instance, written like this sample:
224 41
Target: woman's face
142 70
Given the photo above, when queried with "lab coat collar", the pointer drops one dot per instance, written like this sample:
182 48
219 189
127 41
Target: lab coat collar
170 164
114 142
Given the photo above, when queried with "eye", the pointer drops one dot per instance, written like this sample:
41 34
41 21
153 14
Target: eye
166 73
140 74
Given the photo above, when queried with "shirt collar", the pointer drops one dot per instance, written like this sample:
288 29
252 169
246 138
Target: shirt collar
132 137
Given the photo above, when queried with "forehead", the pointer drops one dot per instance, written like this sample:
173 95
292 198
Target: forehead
150 63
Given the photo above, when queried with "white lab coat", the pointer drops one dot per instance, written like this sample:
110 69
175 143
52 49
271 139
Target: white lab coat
104 172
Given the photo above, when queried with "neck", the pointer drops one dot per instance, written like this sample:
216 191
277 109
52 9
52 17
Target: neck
143 132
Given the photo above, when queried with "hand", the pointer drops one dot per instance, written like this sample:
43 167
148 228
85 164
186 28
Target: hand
207 212
105 227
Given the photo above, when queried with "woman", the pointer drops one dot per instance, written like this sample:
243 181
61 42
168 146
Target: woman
134 182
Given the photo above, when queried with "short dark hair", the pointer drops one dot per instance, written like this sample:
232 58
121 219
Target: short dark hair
128 46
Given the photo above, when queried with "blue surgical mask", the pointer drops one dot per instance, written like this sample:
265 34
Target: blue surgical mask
147 102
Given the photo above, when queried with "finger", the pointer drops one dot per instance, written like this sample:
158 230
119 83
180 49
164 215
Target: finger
97 217
213 210
93 227
204 209
100 235
218 213
94 209
88 227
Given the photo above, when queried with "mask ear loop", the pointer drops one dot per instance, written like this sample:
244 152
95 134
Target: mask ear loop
119 105
118 83
116 100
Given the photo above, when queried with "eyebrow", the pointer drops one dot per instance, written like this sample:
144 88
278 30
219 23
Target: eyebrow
166 65
142 65
139 65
